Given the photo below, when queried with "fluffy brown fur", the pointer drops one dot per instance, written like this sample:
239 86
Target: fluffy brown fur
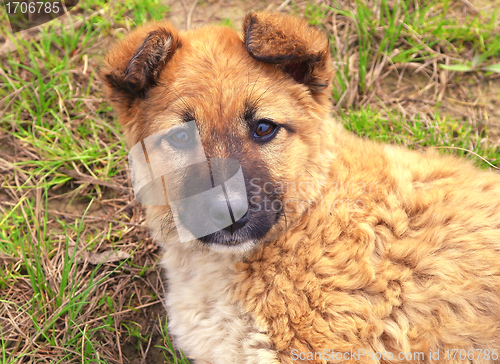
375 247
416 270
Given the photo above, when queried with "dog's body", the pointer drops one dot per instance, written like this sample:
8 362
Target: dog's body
371 247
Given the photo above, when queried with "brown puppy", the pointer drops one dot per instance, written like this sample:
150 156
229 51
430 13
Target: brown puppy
338 249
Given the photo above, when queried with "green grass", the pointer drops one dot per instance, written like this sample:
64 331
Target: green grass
450 134
52 110
404 34
51 301
397 35
65 195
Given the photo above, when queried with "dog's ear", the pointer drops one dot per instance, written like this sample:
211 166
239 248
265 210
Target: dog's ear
291 43
133 66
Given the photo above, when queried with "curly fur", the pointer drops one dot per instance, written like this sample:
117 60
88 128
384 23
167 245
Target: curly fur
416 270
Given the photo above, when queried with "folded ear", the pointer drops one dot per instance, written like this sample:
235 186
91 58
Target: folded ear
134 65
287 41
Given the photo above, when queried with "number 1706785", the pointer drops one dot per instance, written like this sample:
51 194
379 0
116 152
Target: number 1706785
471 354
15 7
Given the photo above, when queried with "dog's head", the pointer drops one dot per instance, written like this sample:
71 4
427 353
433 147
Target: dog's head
231 126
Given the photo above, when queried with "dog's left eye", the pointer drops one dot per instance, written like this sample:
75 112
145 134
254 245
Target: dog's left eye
265 130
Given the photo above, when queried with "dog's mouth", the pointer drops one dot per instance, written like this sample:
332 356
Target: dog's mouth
241 232
251 227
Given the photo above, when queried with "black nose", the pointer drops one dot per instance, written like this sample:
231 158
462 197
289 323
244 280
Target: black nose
238 211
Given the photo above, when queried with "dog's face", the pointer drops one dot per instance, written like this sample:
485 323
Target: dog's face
220 106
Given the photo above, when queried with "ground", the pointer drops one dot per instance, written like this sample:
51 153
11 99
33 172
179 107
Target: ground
79 279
